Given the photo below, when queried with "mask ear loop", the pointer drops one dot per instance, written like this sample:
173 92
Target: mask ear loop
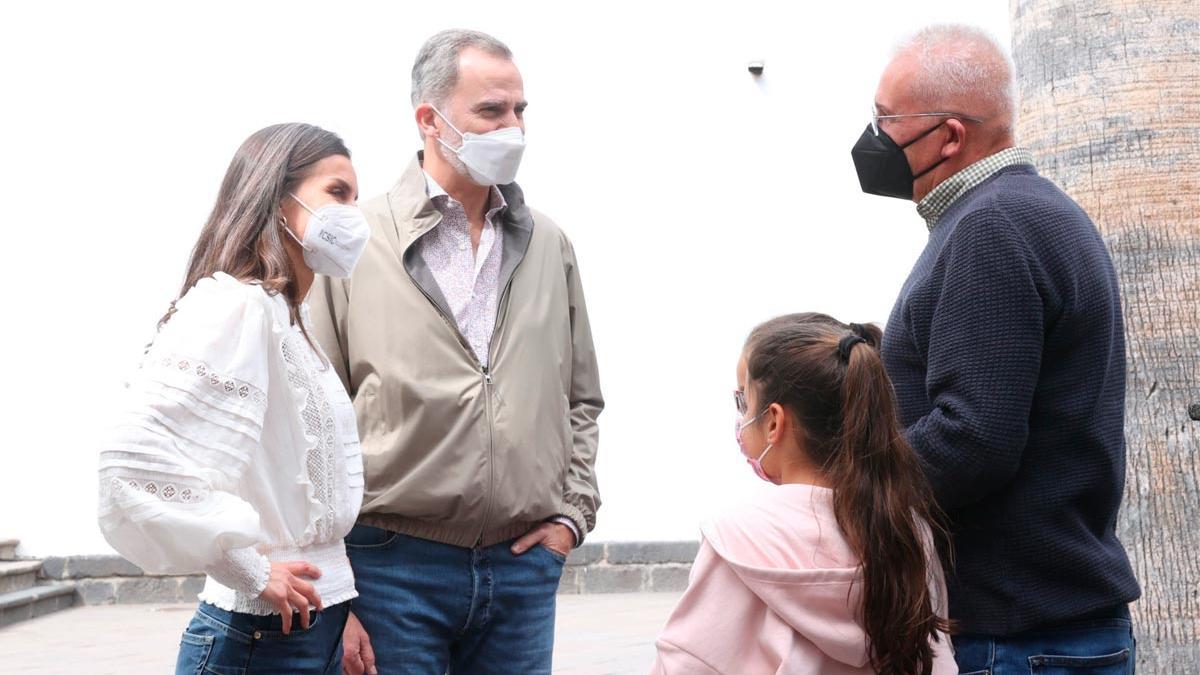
931 168
284 224
302 204
311 213
769 444
450 124
923 135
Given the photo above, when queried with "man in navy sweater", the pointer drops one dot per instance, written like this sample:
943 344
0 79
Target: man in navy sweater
1006 351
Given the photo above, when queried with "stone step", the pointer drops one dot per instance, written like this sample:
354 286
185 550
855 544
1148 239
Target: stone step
8 549
18 575
34 602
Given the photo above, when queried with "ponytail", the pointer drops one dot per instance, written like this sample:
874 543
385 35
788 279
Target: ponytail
881 500
847 412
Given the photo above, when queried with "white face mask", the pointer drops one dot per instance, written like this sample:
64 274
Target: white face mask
335 238
492 158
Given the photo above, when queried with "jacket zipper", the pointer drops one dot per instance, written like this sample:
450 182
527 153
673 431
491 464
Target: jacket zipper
485 371
491 491
487 386
487 391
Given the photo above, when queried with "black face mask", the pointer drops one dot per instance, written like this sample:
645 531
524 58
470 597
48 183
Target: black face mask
882 165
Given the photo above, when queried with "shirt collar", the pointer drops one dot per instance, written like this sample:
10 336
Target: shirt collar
495 203
938 201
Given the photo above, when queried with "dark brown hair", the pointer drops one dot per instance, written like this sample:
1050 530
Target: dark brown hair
829 375
243 236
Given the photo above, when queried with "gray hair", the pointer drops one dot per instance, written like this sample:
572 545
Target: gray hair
436 70
962 65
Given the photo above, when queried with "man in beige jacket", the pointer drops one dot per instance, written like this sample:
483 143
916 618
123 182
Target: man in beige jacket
464 341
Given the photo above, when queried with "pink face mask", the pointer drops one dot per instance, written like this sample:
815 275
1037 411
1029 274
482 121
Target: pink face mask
755 464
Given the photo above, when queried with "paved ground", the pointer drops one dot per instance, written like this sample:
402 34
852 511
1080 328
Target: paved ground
596 634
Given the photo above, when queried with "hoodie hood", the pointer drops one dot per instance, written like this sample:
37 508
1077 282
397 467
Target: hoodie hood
776 589
787 548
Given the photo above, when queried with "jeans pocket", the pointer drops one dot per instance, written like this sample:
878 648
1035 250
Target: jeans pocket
194 651
558 557
1116 663
976 672
364 537
314 619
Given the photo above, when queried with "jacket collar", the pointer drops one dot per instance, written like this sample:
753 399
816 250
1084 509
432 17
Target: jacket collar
413 212
413 215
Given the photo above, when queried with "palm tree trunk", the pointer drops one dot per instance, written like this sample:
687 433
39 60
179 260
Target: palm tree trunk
1110 107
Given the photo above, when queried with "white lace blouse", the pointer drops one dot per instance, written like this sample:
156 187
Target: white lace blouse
237 446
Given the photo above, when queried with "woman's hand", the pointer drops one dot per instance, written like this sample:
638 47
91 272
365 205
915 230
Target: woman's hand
288 592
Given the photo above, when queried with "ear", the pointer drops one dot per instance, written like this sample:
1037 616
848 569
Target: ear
426 120
778 424
957 140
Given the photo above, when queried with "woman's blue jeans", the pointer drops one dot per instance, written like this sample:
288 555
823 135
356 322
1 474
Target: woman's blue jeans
220 642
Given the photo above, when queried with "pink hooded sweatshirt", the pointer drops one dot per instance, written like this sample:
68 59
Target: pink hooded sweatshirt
776 589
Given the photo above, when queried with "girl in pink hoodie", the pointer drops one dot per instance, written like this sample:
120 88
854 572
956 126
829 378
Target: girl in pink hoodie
834 571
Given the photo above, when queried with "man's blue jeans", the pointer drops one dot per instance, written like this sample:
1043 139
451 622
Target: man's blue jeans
1099 647
433 608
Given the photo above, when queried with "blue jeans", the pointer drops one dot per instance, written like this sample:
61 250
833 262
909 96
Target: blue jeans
232 643
1098 647
433 608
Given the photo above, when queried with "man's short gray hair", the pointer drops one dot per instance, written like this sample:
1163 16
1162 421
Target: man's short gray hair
963 67
436 70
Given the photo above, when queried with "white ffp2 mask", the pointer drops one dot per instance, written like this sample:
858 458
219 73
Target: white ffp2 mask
492 158
335 238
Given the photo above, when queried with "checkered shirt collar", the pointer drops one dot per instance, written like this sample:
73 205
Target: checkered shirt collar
948 191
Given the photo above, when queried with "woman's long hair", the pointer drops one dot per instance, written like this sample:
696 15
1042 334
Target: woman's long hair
243 236
830 376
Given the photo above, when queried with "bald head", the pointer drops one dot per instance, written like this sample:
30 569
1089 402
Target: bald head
959 69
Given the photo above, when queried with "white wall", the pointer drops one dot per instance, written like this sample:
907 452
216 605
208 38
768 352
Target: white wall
700 200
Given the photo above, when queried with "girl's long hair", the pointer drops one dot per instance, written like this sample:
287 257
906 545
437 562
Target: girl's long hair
831 377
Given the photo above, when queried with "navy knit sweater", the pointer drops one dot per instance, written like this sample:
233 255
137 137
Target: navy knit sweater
1008 358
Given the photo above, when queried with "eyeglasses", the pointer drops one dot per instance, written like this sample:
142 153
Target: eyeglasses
739 399
875 117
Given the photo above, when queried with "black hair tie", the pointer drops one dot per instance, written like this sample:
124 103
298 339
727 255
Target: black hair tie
861 331
847 343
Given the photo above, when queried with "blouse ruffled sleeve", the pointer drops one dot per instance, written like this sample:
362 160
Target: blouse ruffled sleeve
172 465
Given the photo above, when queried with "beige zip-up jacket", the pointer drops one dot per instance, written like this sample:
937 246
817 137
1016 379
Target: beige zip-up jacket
452 451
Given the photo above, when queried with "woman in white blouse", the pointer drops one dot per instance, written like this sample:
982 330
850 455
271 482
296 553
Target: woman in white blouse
237 452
